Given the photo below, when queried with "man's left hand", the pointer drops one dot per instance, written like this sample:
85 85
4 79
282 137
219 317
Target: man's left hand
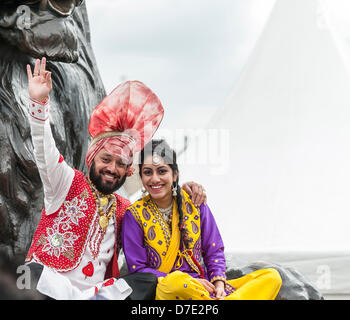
196 191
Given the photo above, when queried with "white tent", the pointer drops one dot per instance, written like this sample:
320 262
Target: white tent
275 160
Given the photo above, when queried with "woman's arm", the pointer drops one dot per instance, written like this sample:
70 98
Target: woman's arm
212 246
134 251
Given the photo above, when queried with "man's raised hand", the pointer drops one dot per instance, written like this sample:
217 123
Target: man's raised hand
39 83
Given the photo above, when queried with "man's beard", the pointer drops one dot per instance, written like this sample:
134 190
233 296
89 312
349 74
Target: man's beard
106 188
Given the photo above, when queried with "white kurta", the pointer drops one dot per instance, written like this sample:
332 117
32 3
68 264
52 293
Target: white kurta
57 177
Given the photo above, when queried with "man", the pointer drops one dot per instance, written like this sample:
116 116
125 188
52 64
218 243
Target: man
77 239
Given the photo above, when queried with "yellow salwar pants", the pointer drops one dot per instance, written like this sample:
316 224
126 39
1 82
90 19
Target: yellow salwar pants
261 284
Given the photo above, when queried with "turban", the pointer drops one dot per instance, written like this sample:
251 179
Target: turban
125 121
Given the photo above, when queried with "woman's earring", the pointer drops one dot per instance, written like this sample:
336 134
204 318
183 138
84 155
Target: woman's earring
174 189
143 190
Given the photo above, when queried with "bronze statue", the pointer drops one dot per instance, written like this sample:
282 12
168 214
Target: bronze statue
29 29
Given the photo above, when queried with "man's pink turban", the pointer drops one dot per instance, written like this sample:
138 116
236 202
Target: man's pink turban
125 121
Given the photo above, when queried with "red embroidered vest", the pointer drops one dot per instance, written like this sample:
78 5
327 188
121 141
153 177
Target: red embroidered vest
61 238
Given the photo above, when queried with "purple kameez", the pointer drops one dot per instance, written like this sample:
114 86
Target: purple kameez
212 248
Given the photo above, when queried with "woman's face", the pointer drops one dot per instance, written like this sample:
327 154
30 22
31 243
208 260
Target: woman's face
157 178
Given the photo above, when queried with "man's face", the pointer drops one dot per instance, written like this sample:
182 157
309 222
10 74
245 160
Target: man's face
107 172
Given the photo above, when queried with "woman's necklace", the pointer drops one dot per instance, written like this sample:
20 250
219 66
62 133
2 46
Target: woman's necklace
106 208
166 213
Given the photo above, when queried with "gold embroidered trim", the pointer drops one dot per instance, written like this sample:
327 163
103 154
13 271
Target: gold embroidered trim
218 278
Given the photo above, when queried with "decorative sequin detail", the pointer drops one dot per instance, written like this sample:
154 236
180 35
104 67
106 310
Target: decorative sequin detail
159 218
188 208
151 234
154 259
223 278
39 111
195 228
146 214
197 249
229 289
58 243
74 210
59 239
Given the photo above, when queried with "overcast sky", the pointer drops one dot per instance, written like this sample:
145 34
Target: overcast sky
190 52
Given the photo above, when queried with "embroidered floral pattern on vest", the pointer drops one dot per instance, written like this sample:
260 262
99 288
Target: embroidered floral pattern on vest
62 237
59 239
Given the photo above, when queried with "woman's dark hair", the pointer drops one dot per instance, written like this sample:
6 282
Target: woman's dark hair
161 148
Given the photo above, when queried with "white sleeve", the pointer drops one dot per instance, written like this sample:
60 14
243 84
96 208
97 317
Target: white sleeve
56 175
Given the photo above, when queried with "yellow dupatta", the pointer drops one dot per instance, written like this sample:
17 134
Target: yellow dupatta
169 260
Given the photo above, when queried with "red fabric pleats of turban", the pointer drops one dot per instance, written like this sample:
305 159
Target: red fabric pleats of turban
125 121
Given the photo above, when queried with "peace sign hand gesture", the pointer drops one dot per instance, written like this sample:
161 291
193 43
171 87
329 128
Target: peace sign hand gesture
39 83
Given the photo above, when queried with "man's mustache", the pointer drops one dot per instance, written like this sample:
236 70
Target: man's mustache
110 173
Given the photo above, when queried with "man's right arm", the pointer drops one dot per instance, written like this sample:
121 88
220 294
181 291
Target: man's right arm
55 174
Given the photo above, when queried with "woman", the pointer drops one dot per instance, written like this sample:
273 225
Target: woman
166 234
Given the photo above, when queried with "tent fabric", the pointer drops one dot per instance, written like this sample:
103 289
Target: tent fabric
275 160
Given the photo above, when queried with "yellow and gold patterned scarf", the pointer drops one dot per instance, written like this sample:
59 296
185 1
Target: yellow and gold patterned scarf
163 245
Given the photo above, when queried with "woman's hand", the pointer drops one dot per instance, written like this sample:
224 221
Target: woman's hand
219 289
207 285
196 191
39 83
